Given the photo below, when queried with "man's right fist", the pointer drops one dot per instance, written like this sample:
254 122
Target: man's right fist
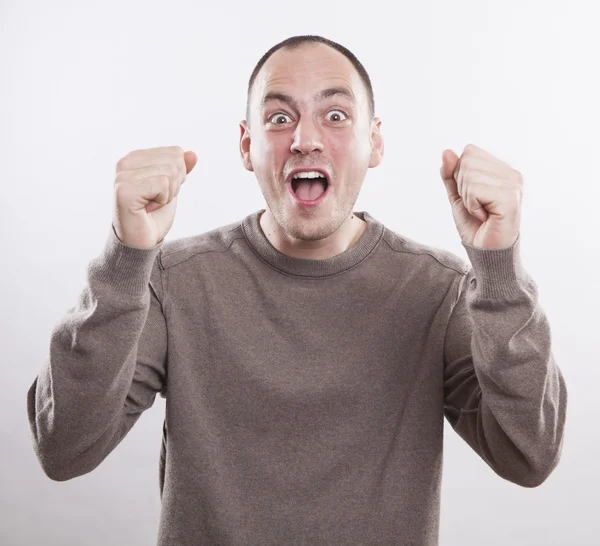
146 186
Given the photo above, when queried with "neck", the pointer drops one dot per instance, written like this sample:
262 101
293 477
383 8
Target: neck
341 240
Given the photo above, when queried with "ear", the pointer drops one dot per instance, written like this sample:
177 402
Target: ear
376 143
245 145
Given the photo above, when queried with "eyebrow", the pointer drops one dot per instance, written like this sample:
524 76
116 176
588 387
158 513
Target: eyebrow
321 95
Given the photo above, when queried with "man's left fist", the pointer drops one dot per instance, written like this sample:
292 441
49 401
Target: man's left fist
486 195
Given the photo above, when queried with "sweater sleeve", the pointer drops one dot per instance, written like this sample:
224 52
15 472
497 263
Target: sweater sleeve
504 393
105 364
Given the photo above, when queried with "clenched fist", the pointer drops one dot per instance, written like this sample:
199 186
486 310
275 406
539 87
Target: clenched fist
146 186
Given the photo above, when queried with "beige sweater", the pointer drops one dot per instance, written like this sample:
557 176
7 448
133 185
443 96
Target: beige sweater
305 399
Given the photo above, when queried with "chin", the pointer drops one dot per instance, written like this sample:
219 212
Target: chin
310 228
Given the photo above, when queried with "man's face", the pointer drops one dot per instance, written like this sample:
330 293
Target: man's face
309 109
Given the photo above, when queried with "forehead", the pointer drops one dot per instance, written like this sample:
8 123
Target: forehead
304 70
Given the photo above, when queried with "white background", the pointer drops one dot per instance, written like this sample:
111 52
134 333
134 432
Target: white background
82 84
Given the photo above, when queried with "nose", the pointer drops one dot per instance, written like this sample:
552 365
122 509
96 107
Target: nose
307 138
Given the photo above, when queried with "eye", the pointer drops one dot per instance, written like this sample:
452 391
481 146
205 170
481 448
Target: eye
337 114
278 117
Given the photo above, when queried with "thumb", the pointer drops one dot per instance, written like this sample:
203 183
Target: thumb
190 159
449 164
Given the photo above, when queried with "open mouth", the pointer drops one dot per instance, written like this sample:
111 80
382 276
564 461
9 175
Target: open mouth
309 185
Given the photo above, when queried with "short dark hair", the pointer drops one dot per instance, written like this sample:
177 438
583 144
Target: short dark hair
297 41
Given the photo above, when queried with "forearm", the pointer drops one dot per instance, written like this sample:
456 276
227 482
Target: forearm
509 402
77 405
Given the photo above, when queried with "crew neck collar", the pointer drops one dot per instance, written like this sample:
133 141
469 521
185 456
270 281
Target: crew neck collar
308 267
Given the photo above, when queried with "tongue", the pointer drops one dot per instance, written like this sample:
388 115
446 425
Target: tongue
309 190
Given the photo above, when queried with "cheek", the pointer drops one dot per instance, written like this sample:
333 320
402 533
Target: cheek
341 147
268 156
267 148
350 146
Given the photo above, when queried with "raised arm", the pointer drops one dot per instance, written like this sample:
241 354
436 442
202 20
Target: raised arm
504 393
107 357
106 362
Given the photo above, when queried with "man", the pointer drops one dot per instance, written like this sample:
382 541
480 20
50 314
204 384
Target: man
307 354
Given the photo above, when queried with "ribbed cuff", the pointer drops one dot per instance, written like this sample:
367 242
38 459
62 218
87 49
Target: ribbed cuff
498 272
124 267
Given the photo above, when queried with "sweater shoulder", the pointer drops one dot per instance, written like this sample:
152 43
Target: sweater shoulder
216 240
438 256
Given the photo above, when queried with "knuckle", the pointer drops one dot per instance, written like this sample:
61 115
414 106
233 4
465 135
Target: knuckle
470 150
120 177
121 192
121 164
518 176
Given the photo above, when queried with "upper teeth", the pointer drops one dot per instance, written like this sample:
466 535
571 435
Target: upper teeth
309 174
